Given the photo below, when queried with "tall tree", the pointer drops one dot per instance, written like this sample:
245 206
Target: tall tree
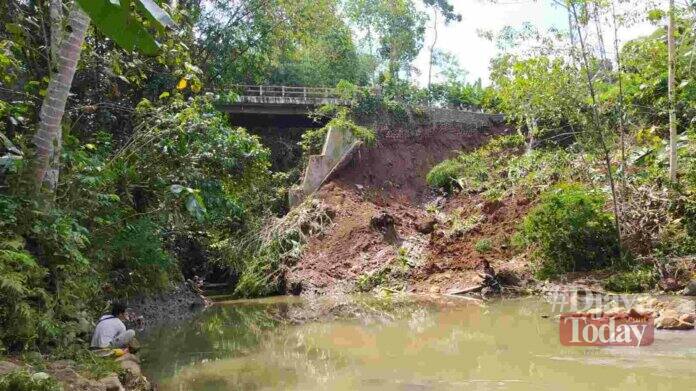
114 20
620 107
447 10
48 138
432 50
671 48
596 125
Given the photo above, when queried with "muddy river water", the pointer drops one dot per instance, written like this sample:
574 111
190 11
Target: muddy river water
370 343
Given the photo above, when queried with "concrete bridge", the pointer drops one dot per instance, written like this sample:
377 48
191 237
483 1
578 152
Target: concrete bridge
279 100
276 110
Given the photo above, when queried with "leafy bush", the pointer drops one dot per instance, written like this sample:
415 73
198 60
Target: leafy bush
478 170
23 300
634 281
467 171
483 246
24 381
571 231
369 281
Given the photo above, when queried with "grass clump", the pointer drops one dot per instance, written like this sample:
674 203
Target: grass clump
570 231
632 281
24 381
483 245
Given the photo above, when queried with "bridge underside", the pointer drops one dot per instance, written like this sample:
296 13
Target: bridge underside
266 108
275 120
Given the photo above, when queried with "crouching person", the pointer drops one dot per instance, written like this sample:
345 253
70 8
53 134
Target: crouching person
111 332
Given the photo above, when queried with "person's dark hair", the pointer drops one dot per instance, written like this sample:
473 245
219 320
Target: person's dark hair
118 308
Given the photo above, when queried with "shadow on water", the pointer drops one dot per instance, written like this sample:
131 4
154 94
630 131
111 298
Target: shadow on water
400 343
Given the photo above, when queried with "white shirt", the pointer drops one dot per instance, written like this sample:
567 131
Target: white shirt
107 329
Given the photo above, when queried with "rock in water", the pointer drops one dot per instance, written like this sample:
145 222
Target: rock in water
690 289
671 320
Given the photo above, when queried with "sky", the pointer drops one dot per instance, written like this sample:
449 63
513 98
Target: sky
474 53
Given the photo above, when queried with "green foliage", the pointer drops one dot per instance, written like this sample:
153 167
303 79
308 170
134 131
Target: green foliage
139 247
23 299
369 281
395 27
541 94
483 245
474 171
342 119
633 281
118 23
262 257
570 231
24 381
312 142
278 42
645 77
466 171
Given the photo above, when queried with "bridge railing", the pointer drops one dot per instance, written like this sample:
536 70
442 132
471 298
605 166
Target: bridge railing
285 91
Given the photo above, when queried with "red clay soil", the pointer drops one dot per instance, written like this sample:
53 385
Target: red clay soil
390 178
399 162
452 259
331 262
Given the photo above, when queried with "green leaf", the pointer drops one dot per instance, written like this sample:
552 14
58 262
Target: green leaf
116 22
156 14
195 206
177 189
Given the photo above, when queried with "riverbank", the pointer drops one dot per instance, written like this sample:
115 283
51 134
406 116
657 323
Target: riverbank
123 374
90 372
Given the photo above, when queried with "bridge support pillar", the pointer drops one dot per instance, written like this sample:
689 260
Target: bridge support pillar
338 147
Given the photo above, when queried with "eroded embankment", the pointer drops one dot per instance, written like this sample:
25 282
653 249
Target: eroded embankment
391 229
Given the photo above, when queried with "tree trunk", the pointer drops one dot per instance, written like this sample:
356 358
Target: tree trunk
600 35
622 124
672 97
48 137
532 130
56 16
571 29
432 49
596 125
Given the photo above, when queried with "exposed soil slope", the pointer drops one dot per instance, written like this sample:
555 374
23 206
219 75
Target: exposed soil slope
389 179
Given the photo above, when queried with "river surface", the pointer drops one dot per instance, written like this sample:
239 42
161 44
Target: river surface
371 343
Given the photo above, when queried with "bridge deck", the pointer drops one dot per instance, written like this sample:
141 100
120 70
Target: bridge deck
281 100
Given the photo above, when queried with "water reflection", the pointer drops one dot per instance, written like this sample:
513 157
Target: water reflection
400 344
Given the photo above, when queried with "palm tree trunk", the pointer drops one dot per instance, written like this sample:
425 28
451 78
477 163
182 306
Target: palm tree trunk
56 15
48 138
